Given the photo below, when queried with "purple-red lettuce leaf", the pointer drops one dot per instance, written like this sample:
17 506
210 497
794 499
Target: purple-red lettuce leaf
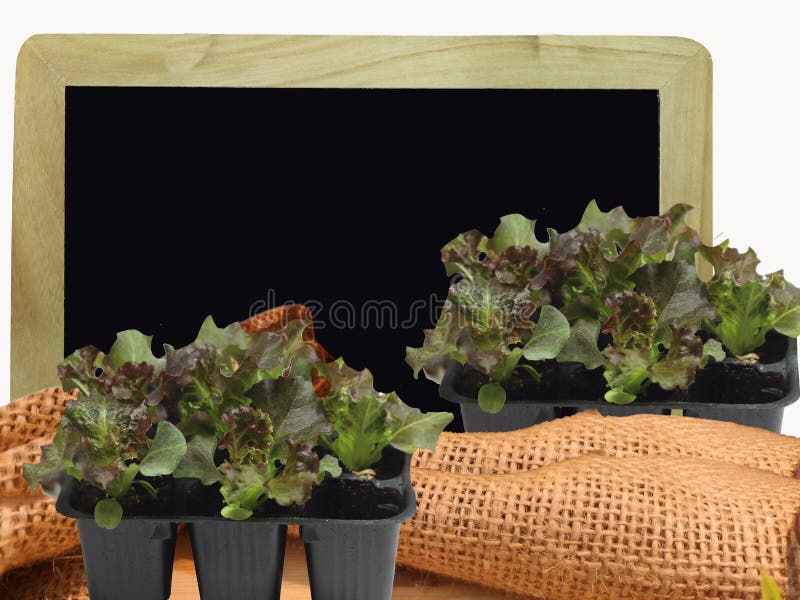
598 257
126 374
249 435
295 482
632 321
679 297
97 441
295 411
638 356
677 368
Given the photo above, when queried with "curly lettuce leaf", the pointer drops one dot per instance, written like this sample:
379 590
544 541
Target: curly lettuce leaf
678 367
132 346
248 437
515 231
96 440
632 321
297 479
635 358
56 460
126 374
784 306
243 489
743 311
365 425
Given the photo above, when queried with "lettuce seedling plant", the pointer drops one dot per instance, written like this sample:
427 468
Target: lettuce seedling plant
615 293
243 412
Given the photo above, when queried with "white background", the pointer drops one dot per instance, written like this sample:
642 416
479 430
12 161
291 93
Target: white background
756 84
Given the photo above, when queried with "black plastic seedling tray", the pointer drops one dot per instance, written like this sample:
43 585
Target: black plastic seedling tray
520 413
242 560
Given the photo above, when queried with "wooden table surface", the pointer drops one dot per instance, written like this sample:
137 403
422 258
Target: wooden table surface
408 585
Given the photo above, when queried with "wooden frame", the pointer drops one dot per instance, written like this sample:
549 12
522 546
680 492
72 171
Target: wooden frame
679 69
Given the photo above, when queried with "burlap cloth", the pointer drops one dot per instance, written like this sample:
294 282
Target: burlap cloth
580 508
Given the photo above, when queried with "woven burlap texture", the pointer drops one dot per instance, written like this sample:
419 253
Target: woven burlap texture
31 530
30 527
598 527
510 511
31 417
589 432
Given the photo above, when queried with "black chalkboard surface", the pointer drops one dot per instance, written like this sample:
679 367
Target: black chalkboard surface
183 202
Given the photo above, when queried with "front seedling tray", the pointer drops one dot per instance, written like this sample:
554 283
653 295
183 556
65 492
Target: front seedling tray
520 413
242 560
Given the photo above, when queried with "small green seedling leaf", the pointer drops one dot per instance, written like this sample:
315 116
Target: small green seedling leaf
108 513
236 512
491 397
329 464
617 396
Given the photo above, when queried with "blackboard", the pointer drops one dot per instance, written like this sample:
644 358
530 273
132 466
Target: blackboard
183 202
159 178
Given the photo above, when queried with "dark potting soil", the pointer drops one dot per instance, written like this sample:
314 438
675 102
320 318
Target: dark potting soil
205 501
521 387
737 383
349 497
731 381
136 503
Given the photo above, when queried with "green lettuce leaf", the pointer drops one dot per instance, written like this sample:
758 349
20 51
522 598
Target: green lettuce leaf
548 336
411 428
367 424
743 310
198 462
165 451
581 345
784 306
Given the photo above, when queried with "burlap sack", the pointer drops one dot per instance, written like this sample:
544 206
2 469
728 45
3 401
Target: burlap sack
11 461
590 432
597 527
31 530
31 417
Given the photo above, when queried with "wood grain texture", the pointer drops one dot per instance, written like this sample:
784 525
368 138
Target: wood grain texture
678 68
409 585
37 225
